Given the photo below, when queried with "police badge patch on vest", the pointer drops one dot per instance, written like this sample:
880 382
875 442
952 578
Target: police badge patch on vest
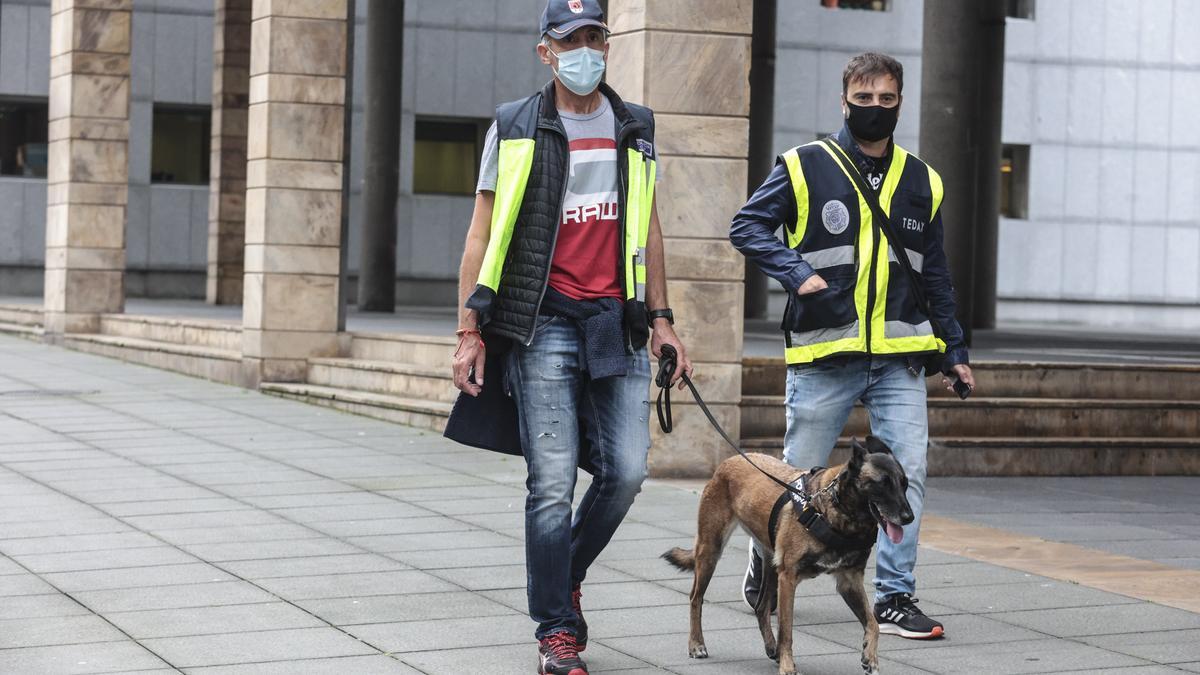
835 216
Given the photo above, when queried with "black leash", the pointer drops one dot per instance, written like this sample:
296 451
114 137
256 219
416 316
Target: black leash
666 366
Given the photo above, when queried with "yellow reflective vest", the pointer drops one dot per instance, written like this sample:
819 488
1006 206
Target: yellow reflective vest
868 306
531 180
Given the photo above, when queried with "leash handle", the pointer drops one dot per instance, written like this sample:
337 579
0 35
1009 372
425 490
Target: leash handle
666 367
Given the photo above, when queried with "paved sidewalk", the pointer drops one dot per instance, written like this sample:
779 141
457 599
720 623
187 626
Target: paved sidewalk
152 522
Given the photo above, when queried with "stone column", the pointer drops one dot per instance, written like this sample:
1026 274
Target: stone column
293 185
227 179
689 60
88 175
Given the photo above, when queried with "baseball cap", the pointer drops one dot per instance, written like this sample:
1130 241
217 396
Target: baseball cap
562 17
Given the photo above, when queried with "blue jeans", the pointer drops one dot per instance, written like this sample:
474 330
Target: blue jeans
550 384
819 399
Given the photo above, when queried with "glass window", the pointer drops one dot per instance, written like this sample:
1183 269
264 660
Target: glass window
1014 181
1019 9
181 145
23 129
871 5
446 155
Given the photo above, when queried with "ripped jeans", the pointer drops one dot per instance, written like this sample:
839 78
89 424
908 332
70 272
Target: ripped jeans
549 382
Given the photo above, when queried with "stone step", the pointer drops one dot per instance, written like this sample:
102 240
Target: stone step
22 315
31 332
996 379
193 332
409 411
1048 456
1013 417
210 363
426 350
385 377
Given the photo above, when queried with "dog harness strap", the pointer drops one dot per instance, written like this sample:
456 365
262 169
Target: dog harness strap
773 523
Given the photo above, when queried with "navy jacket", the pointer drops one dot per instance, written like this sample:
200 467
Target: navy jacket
774 204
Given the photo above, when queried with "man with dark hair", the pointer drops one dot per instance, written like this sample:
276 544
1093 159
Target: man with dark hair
563 275
861 322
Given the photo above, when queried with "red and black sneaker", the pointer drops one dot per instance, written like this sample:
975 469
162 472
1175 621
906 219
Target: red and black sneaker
559 655
581 627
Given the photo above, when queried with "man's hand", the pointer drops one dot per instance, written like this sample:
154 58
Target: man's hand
812 285
470 354
963 371
664 334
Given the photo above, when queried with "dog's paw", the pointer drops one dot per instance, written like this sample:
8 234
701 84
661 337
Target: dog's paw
870 670
698 652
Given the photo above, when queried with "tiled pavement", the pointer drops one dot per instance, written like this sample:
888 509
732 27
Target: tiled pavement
156 523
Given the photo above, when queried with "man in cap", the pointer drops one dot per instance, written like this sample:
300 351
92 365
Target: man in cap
563 274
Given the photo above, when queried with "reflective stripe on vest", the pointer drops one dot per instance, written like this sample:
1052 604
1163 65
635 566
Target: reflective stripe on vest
639 202
514 163
887 336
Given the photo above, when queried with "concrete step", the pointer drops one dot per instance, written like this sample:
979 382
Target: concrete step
385 377
22 315
192 332
1178 382
427 350
21 330
1048 456
412 412
210 363
1013 417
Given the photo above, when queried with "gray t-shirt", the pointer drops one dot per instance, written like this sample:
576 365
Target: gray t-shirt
598 124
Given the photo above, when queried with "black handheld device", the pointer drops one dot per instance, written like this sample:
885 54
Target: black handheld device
962 388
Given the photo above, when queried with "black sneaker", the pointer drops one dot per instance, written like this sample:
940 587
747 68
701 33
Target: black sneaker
581 627
558 654
753 581
898 615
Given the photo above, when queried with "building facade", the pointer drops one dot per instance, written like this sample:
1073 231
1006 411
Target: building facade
1101 209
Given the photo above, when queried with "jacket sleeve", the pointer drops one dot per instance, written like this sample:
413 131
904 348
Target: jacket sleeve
753 231
939 288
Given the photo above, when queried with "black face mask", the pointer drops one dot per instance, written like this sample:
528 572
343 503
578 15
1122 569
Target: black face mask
872 122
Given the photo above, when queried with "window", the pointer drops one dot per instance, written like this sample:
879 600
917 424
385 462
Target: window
446 155
1014 182
872 5
1019 9
23 129
181 145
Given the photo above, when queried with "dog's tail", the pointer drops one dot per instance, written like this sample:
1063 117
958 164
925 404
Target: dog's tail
682 558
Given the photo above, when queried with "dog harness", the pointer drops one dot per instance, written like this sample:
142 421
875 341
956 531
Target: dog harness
812 520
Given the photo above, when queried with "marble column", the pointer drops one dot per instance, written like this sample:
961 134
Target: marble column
227 180
293 185
689 61
88 165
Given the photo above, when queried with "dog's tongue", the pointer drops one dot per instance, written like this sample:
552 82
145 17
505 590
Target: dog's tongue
894 531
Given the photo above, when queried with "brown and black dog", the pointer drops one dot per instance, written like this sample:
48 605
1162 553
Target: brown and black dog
869 493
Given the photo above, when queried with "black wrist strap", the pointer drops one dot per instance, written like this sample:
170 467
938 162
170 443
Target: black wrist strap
885 224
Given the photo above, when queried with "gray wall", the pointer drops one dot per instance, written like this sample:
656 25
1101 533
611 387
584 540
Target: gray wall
24 71
462 58
1104 92
1107 101
167 225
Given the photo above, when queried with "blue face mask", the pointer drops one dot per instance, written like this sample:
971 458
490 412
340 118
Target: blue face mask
580 69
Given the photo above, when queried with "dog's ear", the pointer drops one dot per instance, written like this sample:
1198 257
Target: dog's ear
874 445
858 455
